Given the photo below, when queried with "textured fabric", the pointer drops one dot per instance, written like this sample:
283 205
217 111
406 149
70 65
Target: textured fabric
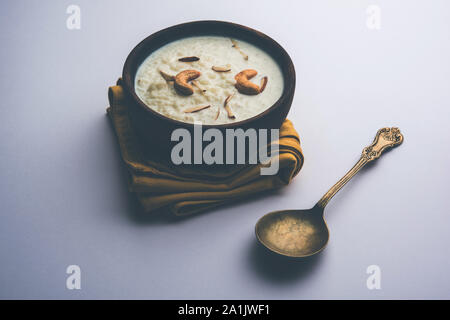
161 185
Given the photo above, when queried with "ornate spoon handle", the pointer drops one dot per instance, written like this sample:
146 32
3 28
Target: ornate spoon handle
385 138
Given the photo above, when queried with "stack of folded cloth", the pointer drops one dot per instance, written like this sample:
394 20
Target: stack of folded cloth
163 186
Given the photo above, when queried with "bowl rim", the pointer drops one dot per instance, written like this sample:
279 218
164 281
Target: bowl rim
289 76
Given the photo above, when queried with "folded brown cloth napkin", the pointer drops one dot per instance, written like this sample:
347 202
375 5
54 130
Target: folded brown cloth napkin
161 185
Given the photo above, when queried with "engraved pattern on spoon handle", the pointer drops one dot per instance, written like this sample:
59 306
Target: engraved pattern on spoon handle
385 138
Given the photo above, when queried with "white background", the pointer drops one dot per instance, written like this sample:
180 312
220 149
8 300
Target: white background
64 198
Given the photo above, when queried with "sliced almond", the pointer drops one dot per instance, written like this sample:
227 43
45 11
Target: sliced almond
189 59
230 112
166 76
199 87
221 69
235 45
196 109
227 107
228 99
218 113
263 84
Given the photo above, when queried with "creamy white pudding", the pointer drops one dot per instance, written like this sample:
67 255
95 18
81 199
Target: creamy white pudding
190 79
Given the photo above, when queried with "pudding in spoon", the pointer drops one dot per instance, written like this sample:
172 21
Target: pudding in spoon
303 233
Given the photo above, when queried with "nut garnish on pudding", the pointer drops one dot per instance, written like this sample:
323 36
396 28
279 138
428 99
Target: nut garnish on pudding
263 84
166 76
198 86
221 69
173 86
245 86
227 107
182 81
189 59
195 109
236 46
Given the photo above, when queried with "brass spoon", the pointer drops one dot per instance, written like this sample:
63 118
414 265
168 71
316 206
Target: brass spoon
303 233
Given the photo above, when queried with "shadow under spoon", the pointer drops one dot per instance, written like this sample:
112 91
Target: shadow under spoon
303 233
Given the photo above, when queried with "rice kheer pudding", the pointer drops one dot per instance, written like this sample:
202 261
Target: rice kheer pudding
209 79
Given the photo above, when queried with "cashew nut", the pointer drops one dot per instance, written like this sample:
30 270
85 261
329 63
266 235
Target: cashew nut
243 83
181 81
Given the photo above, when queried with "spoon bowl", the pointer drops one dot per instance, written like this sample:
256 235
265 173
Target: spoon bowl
293 233
303 233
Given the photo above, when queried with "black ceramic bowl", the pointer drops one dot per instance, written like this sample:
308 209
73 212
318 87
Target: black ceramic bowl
156 129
